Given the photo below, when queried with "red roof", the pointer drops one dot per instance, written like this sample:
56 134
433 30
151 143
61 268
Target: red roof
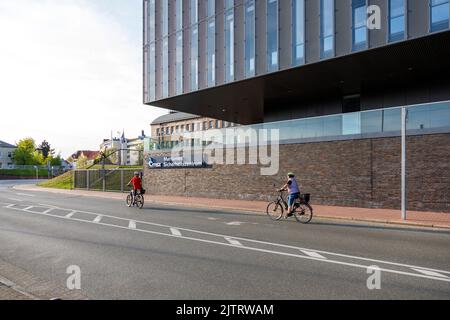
91 155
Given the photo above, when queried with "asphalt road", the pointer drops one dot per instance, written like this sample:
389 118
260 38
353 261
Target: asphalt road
164 252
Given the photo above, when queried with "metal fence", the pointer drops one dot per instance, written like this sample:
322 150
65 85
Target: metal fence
103 179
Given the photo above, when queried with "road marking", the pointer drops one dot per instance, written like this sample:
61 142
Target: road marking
251 248
234 242
27 208
313 254
132 225
25 195
235 223
14 199
175 232
70 215
97 219
430 273
212 219
48 210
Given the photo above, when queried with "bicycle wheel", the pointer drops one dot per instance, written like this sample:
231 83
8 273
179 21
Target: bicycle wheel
129 200
139 201
275 210
304 213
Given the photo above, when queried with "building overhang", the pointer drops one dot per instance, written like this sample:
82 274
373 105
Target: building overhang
394 65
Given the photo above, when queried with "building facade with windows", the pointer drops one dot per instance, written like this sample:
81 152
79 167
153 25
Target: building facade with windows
253 61
167 131
6 155
330 75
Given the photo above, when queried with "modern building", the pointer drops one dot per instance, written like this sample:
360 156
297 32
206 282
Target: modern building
168 130
6 155
252 61
331 75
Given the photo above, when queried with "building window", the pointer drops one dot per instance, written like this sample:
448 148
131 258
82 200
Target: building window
217 124
179 46
272 35
194 45
439 15
229 40
249 38
211 43
165 49
211 124
205 125
157 132
326 29
298 32
396 20
359 24
151 38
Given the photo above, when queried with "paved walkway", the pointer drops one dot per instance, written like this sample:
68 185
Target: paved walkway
415 218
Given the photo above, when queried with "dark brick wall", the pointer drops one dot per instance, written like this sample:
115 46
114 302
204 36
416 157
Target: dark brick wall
361 173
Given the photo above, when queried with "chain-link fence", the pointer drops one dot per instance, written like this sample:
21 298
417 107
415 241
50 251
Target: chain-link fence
103 179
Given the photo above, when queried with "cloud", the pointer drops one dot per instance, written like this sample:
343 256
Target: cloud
69 73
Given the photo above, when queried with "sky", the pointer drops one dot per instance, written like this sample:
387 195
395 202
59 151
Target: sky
71 72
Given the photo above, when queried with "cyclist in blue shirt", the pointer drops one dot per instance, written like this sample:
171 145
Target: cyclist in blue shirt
294 192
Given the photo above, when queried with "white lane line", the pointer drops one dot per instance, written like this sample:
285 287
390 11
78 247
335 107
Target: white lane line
175 232
313 254
234 242
430 273
14 199
132 225
97 219
70 215
234 223
25 195
48 210
27 208
416 275
371 261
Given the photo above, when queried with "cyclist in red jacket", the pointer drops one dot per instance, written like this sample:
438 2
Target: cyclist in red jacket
136 181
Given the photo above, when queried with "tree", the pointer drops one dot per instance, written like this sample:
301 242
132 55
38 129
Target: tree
46 149
82 161
24 154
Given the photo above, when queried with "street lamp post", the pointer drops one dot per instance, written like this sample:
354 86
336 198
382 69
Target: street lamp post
37 172
404 119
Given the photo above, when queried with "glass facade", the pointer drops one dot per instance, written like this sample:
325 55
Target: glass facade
326 28
179 46
272 35
439 15
229 40
172 45
211 43
359 25
298 32
397 20
165 48
194 45
249 38
151 50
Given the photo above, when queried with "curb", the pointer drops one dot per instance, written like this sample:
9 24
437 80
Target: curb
408 224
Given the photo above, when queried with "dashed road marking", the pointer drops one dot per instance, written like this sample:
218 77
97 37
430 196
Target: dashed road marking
234 223
70 215
313 254
97 219
250 245
132 225
430 273
175 232
25 194
234 242
14 199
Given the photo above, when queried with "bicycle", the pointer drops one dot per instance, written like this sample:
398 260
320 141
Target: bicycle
137 200
303 212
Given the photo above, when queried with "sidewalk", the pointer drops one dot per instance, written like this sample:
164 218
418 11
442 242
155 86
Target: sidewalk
387 216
